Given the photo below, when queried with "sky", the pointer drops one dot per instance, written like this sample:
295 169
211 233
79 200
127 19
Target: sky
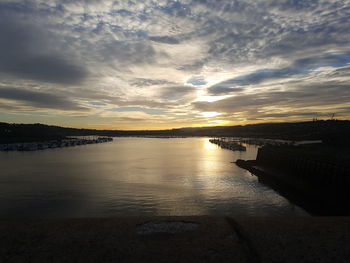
169 64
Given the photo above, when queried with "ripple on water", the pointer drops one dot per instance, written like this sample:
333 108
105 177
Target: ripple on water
135 176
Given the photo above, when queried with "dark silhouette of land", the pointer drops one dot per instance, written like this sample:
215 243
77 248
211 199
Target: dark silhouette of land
330 131
313 176
316 176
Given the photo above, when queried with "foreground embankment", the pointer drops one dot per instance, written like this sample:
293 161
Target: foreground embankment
177 239
312 179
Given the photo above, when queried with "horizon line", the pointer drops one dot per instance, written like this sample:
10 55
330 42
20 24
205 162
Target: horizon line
195 127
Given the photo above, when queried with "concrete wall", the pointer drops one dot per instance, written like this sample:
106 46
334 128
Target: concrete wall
303 167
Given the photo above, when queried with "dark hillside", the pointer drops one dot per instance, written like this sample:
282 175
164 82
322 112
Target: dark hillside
331 131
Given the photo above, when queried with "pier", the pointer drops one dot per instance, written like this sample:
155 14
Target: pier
35 146
228 144
306 167
277 142
314 180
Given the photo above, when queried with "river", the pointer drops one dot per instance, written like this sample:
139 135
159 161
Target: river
135 177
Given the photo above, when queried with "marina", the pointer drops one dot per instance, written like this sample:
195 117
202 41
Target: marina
35 146
229 144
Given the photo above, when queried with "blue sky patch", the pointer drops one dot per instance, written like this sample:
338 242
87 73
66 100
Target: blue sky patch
197 81
96 103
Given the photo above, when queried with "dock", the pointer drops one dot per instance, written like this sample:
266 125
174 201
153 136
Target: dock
35 146
228 144
317 182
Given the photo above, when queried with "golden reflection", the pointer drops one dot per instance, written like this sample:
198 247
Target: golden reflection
210 164
208 145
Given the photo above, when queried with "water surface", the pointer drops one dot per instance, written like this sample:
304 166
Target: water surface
134 177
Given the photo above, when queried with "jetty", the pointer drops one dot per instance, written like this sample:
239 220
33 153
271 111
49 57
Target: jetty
314 177
276 142
228 144
35 146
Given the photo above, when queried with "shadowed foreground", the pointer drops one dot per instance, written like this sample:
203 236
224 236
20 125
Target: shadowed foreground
177 239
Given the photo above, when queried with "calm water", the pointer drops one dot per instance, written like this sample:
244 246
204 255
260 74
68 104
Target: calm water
134 176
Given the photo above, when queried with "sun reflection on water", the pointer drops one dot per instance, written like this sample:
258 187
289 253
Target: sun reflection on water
207 145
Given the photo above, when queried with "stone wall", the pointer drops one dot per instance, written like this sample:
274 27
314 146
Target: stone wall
304 167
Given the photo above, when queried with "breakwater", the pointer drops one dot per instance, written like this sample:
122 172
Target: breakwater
277 142
318 183
304 167
230 145
35 146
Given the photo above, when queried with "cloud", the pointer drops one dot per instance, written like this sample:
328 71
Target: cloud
26 51
223 89
138 109
7 107
142 82
124 53
96 103
175 92
300 66
266 58
38 99
165 39
193 67
302 101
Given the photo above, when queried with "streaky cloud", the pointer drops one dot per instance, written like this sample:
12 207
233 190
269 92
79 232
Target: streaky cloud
138 109
26 51
165 39
299 67
175 92
143 82
39 99
253 59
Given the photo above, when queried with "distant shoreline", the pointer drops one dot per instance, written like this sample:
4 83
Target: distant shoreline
36 146
328 131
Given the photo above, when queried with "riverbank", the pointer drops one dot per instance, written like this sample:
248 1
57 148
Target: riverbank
177 239
330 130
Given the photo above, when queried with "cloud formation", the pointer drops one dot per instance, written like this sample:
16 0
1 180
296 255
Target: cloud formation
251 60
299 67
39 99
27 51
